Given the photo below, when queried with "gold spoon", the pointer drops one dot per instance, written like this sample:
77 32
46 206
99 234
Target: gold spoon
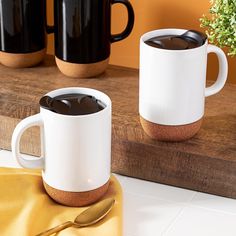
88 217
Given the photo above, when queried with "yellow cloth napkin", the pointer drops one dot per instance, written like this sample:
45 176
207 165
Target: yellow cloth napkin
25 208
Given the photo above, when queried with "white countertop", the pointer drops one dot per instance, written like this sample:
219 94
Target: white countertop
152 209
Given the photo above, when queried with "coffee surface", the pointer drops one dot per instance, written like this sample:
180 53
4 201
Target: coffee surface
190 39
72 104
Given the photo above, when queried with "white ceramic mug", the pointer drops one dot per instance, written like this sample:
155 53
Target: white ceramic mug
76 150
172 87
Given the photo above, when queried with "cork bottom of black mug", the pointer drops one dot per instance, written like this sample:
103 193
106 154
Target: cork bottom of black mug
172 133
76 199
76 70
22 60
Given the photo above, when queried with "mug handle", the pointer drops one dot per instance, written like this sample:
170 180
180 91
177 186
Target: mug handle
31 163
130 23
223 71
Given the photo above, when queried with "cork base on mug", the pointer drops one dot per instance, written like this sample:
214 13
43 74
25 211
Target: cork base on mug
76 70
21 60
170 132
76 199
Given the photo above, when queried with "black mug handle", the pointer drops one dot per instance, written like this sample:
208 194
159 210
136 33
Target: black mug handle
49 28
130 23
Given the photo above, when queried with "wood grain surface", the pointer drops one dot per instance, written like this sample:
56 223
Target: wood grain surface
207 162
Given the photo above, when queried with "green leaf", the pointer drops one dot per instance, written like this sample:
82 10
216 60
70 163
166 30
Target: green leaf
221 24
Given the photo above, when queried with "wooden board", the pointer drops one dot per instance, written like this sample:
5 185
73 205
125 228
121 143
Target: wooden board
205 163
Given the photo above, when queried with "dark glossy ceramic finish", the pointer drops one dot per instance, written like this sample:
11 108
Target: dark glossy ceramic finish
83 29
22 25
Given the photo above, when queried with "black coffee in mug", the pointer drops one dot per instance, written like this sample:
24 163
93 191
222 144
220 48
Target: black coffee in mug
83 35
22 32
72 104
190 39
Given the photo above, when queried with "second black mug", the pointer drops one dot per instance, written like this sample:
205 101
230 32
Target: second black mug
83 35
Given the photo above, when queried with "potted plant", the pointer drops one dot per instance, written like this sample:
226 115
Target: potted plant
221 24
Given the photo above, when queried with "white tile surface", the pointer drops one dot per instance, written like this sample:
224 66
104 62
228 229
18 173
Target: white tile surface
145 216
160 191
6 159
194 221
214 202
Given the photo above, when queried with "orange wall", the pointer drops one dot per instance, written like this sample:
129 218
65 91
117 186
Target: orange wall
150 15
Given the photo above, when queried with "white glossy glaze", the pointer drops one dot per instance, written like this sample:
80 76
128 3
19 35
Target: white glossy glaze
76 150
172 82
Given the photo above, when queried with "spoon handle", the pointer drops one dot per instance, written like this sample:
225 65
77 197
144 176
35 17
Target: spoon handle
56 229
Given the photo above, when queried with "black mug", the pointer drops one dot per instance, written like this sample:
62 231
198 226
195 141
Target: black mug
22 32
83 35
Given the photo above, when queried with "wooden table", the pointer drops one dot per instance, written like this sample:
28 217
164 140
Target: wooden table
205 163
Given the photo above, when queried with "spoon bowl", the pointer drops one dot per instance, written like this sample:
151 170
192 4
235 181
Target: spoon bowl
95 213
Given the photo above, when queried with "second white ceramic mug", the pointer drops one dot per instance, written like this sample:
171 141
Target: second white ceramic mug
76 150
172 87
